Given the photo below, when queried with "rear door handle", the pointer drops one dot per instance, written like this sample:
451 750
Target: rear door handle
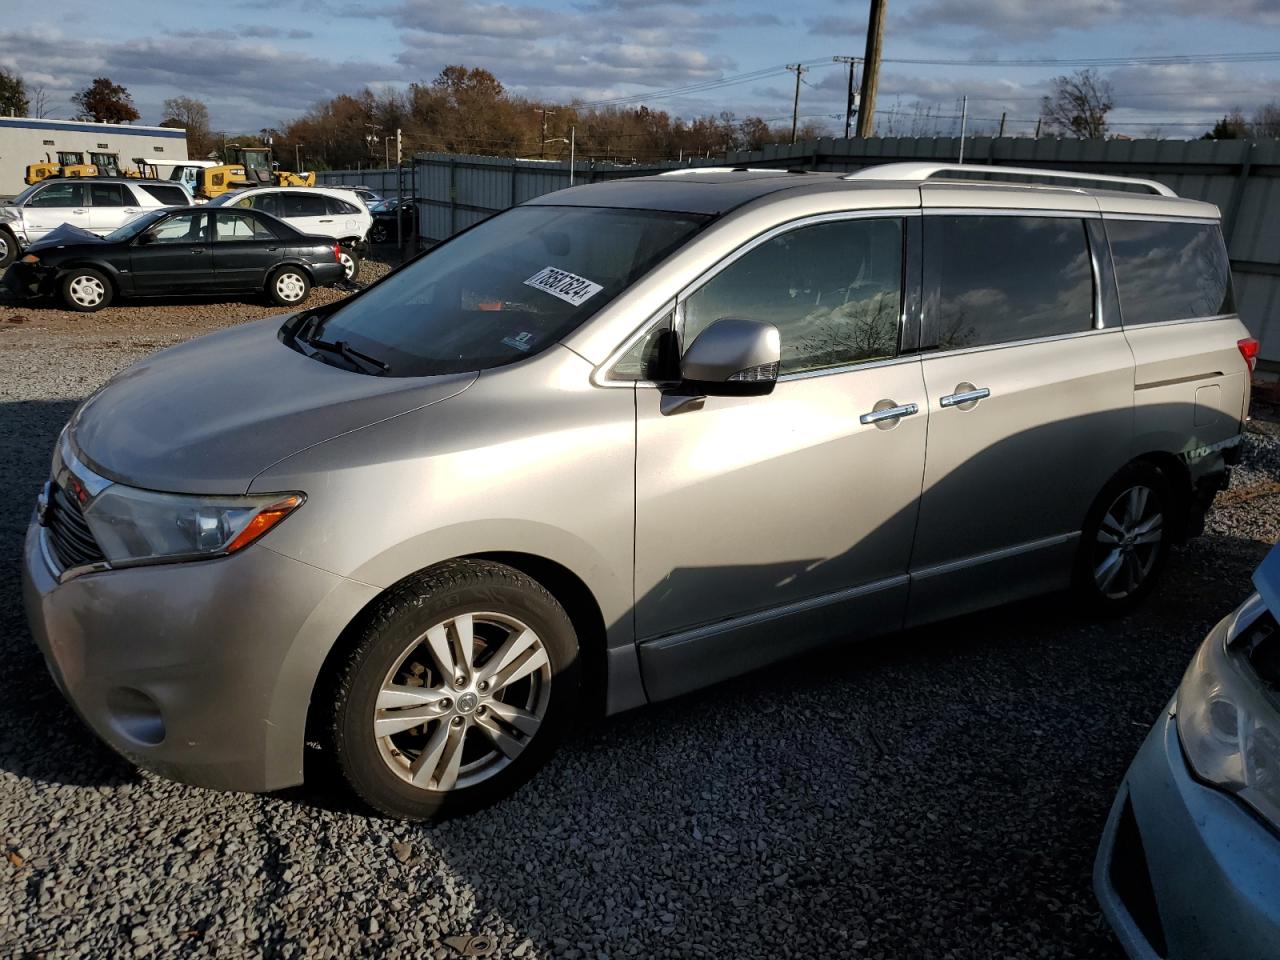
132 209
965 393
889 413
326 221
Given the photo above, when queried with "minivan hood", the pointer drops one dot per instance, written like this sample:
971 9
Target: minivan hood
209 415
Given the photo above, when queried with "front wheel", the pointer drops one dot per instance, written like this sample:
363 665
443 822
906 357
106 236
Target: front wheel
8 248
378 232
85 290
1126 540
288 286
457 691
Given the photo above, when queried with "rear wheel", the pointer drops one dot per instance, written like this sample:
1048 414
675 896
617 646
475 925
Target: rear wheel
456 693
288 286
350 261
1126 539
85 290
378 232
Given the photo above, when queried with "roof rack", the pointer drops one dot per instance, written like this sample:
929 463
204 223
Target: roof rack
927 171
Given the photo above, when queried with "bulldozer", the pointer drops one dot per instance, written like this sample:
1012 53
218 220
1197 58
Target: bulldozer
248 167
69 164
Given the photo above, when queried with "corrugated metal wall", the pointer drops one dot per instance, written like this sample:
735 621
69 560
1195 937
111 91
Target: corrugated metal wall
1239 176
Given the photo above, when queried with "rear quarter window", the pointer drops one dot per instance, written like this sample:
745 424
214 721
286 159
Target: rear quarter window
169 196
1169 270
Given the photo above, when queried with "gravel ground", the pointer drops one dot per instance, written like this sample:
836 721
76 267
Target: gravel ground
937 794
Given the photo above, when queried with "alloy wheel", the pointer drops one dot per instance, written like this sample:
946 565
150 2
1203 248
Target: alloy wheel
1129 539
463 701
348 264
87 291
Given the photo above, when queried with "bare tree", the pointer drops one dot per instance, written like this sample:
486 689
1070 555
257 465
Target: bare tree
191 115
1078 105
1266 121
39 97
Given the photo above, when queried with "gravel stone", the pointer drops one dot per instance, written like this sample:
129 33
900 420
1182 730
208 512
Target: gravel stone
937 793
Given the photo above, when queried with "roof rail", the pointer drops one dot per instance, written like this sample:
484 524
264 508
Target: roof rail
919 170
685 171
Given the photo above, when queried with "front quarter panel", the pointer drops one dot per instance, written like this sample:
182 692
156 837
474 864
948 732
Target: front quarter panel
534 459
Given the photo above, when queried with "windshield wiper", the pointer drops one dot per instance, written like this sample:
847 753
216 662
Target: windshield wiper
351 354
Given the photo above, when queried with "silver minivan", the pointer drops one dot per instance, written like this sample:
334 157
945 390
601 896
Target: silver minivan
621 442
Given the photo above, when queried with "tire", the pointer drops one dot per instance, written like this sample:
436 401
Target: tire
288 286
8 248
84 290
479 741
378 232
1126 540
350 258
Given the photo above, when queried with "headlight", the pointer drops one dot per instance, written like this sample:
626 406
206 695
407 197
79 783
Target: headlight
137 526
1228 723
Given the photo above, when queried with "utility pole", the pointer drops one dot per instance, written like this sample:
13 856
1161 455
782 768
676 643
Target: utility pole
871 68
964 119
1003 113
542 151
399 151
297 157
851 105
800 69
1038 122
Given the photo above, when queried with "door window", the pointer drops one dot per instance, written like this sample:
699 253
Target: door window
239 226
998 279
59 195
181 228
169 196
108 195
833 290
341 208
1170 271
302 205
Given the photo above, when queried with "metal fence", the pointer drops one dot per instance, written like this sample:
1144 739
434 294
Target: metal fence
1239 176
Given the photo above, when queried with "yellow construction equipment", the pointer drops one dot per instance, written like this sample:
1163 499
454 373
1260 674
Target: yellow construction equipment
68 164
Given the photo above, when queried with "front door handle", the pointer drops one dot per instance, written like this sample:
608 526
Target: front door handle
891 412
966 393
326 221
197 249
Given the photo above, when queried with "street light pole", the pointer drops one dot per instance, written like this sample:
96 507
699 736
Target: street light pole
297 157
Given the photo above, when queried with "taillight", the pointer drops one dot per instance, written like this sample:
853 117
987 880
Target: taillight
1249 350
337 256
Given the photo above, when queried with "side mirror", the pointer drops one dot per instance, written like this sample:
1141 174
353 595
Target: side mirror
733 358
145 238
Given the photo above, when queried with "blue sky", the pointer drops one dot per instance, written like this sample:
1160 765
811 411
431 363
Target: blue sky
266 62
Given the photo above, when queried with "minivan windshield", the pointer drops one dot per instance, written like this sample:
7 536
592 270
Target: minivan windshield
505 289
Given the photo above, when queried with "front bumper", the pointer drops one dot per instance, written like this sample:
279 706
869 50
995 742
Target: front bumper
201 672
1185 871
24 280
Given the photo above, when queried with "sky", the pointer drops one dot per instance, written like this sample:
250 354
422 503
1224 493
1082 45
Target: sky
265 63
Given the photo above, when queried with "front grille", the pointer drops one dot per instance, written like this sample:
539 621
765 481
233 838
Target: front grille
69 536
1131 877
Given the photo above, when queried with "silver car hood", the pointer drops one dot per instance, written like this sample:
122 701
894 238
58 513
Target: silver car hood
209 415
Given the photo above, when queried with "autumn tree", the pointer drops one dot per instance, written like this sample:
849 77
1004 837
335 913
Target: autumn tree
1078 105
1233 126
191 115
13 95
105 102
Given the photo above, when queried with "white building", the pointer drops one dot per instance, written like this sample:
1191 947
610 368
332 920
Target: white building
24 140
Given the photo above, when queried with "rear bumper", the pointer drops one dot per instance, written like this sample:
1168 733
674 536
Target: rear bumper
1185 871
323 274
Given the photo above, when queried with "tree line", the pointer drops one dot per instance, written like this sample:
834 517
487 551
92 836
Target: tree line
468 111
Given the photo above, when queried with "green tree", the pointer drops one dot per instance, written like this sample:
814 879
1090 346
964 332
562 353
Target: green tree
13 95
105 102
1231 127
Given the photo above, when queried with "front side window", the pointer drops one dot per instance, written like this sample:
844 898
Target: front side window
59 195
994 279
833 290
1170 271
506 289
107 195
302 205
180 228
239 226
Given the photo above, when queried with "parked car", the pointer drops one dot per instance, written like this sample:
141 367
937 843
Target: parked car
394 218
188 250
1189 865
317 211
624 441
97 204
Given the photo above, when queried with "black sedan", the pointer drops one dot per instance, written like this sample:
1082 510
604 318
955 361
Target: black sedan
386 213
183 250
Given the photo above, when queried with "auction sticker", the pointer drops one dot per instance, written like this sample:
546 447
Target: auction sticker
569 287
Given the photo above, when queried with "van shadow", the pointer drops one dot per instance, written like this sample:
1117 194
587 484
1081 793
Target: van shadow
40 735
